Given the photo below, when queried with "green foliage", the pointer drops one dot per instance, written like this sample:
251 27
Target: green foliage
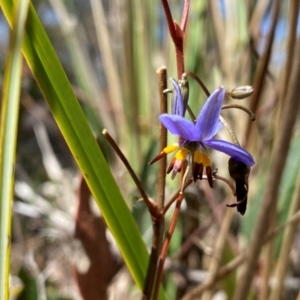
111 62
9 121
67 112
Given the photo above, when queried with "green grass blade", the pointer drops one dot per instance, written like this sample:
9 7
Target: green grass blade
68 114
9 121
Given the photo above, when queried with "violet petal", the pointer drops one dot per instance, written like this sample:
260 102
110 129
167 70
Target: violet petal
231 150
177 101
178 125
208 119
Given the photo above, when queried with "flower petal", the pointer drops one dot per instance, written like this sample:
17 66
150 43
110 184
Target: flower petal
218 128
178 125
177 101
231 150
208 119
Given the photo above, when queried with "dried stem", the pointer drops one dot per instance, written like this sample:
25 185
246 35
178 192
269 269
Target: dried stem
262 69
237 261
230 131
223 272
291 222
218 250
166 244
289 234
190 241
152 207
161 180
281 147
292 34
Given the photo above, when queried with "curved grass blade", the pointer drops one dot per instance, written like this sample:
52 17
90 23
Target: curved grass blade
68 114
9 121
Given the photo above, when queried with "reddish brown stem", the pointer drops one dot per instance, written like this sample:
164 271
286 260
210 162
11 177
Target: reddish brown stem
185 14
158 224
161 181
151 205
177 34
165 246
169 19
194 76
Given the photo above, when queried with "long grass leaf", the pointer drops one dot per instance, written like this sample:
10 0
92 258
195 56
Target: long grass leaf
68 114
9 121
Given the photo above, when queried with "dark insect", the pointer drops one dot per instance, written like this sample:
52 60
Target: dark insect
240 174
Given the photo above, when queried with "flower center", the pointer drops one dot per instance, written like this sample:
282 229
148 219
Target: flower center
191 146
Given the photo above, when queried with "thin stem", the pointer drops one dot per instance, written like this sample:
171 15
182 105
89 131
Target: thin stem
175 196
179 50
166 244
193 117
241 107
230 184
230 131
158 224
177 36
152 207
288 238
219 249
169 19
237 261
190 241
161 179
280 152
223 272
194 76
158 230
292 34
185 13
262 68
291 222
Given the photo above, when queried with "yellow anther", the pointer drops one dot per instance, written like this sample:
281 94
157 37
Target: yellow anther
206 160
198 157
181 154
171 148
201 158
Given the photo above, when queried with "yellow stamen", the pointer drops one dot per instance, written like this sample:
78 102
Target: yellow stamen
206 160
200 157
171 148
181 154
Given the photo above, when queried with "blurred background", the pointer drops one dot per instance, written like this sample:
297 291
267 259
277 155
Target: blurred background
110 51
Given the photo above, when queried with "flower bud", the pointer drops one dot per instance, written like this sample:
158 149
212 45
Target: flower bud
184 88
241 92
180 96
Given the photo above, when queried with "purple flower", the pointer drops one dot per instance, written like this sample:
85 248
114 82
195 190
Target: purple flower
196 138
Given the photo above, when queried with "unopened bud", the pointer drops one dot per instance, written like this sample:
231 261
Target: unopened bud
241 92
184 88
180 96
